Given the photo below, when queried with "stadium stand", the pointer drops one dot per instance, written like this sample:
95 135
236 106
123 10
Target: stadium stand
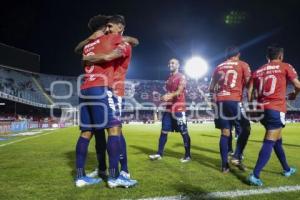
140 94
142 97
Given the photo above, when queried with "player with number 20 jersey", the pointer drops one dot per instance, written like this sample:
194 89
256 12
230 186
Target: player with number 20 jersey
227 84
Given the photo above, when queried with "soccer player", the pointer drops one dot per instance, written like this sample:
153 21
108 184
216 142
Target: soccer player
174 118
120 72
116 146
96 109
237 130
227 84
100 143
269 83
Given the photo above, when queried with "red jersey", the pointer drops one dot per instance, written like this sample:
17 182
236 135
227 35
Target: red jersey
121 68
100 75
177 104
270 81
231 77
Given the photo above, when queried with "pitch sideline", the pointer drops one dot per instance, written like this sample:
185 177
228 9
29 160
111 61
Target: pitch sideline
231 194
16 141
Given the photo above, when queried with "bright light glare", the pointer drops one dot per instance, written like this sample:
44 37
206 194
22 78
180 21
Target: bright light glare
196 67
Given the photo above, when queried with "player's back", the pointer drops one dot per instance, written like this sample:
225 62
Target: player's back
100 75
270 81
231 77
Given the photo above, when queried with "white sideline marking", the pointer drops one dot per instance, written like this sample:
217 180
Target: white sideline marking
231 194
16 141
28 133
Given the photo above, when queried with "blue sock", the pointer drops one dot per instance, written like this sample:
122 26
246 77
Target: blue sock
162 141
187 144
114 151
224 150
230 143
263 157
241 142
81 153
281 155
100 145
123 156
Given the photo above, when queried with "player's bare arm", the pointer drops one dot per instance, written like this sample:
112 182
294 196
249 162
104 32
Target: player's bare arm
293 95
250 92
131 40
170 96
102 58
79 48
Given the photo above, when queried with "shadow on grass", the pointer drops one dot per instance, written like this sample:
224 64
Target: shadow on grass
284 144
239 174
197 148
201 159
213 136
190 192
91 162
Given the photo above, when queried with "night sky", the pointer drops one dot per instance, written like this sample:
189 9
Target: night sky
166 28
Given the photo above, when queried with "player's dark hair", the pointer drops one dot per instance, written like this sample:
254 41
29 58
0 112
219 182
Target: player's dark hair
97 22
231 51
273 51
117 19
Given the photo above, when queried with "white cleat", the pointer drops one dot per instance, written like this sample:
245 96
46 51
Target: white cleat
155 157
185 160
93 174
125 174
85 181
121 181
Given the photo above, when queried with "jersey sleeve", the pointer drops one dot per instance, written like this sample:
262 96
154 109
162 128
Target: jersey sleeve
291 73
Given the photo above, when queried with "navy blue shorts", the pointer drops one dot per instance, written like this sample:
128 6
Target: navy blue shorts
174 122
97 109
230 113
273 119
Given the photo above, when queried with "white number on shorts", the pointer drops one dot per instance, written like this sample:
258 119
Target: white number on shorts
111 102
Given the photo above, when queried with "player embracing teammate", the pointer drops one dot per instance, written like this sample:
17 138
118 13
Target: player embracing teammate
104 52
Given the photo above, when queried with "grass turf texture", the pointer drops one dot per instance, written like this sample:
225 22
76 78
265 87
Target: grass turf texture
43 167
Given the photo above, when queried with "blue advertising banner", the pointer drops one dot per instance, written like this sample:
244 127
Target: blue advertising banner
19 126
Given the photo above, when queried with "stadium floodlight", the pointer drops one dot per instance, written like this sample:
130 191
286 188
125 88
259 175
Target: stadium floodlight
196 67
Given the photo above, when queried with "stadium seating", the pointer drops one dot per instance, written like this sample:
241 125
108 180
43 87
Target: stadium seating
21 86
140 94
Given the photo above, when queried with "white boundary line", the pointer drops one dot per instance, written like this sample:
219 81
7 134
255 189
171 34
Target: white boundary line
16 141
231 194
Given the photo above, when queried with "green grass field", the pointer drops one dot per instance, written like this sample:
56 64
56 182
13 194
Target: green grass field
43 167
